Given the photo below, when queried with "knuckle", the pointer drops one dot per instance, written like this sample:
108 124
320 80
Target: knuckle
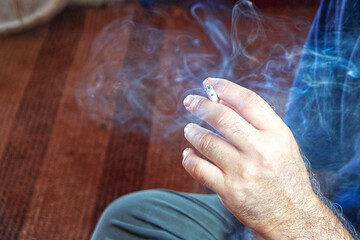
251 98
221 86
240 133
209 184
207 142
197 171
250 174
285 136
196 106
186 160
224 120
228 124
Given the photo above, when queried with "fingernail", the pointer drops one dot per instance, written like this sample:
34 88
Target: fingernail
188 100
205 81
214 80
186 152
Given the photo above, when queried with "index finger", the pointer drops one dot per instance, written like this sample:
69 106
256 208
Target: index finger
246 102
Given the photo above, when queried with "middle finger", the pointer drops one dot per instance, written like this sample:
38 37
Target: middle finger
225 120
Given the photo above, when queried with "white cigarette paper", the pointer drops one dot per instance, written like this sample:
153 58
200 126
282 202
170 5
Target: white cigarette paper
211 93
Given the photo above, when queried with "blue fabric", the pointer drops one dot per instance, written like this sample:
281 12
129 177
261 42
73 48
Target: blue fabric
323 110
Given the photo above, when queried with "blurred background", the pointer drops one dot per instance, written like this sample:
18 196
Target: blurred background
68 145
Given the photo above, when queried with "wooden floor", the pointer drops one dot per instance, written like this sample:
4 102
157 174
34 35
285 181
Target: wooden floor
58 168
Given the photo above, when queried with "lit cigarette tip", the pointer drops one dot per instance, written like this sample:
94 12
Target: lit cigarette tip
211 93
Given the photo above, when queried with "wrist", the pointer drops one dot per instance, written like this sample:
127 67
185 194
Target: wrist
310 220
300 218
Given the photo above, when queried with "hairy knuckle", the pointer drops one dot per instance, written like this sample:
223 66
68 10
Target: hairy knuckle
227 124
240 133
224 120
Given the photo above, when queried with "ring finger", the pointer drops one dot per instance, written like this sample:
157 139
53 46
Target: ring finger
225 120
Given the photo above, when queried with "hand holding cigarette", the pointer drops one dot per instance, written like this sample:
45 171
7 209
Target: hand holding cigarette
258 171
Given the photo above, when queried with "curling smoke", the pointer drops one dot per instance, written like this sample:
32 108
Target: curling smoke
114 92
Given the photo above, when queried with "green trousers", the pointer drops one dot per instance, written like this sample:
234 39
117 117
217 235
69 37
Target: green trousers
165 214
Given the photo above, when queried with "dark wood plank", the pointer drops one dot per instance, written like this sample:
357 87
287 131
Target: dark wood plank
17 60
34 121
72 166
126 152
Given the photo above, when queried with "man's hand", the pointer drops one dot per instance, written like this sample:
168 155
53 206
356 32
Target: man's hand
256 168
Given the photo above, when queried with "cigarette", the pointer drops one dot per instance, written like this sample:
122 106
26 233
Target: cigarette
211 93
